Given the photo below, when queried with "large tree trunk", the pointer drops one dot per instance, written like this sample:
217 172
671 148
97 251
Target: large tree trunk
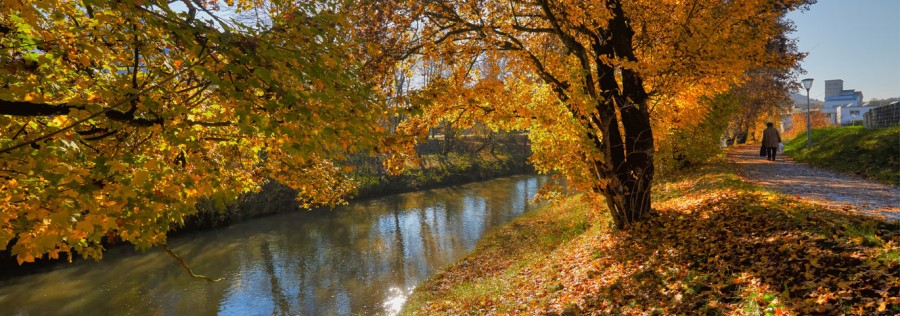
628 170
626 175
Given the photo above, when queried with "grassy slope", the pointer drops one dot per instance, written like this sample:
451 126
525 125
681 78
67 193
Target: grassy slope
720 246
874 154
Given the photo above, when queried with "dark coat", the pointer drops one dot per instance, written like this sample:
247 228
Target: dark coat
771 137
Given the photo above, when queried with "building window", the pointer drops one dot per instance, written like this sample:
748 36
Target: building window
856 112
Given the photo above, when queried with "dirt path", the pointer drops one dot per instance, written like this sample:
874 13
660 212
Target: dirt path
815 185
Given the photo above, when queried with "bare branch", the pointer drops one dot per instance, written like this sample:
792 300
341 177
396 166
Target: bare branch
184 265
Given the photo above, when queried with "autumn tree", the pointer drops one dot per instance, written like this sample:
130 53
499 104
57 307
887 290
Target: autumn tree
764 95
117 116
762 100
817 119
740 112
594 81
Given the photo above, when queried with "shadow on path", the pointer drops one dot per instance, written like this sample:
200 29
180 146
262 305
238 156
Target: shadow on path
720 247
724 260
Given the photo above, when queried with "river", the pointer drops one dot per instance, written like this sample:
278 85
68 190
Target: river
365 257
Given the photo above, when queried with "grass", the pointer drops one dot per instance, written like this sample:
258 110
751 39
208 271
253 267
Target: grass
719 246
870 153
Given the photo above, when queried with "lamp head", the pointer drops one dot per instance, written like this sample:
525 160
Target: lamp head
807 83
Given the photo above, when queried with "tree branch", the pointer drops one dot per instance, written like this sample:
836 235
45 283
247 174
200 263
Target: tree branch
184 265
209 124
533 29
27 109
559 87
94 115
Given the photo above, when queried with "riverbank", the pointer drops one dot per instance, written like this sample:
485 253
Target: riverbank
357 259
720 245
476 159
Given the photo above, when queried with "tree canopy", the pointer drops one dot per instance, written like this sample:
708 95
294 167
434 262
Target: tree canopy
600 85
118 116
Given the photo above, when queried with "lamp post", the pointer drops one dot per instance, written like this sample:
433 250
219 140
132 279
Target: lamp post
807 83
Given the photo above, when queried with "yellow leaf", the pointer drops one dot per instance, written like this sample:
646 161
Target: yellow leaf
32 96
24 258
59 121
139 178
85 60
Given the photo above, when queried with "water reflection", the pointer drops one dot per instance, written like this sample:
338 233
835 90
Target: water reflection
361 258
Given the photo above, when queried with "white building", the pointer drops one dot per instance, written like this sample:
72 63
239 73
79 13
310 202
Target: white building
842 106
849 115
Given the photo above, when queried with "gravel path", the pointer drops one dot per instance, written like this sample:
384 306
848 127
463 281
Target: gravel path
815 185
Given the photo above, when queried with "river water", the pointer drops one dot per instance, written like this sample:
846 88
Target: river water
365 257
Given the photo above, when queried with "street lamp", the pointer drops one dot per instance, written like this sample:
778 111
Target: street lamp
807 83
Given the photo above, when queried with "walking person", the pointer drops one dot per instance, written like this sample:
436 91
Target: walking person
771 139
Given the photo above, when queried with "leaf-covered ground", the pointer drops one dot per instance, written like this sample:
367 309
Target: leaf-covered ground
719 246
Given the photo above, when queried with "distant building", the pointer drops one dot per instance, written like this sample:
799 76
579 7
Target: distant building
833 87
842 107
850 115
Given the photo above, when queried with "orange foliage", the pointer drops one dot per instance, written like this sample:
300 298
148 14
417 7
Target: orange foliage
116 118
596 83
817 118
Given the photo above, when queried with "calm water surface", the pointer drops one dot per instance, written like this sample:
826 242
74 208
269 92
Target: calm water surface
365 257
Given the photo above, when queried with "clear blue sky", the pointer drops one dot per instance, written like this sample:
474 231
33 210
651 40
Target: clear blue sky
854 40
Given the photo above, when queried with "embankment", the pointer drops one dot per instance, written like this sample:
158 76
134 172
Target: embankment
720 246
472 159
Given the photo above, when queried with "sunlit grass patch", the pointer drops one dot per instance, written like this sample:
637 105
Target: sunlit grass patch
756 302
479 280
889 256
475 293
864 234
